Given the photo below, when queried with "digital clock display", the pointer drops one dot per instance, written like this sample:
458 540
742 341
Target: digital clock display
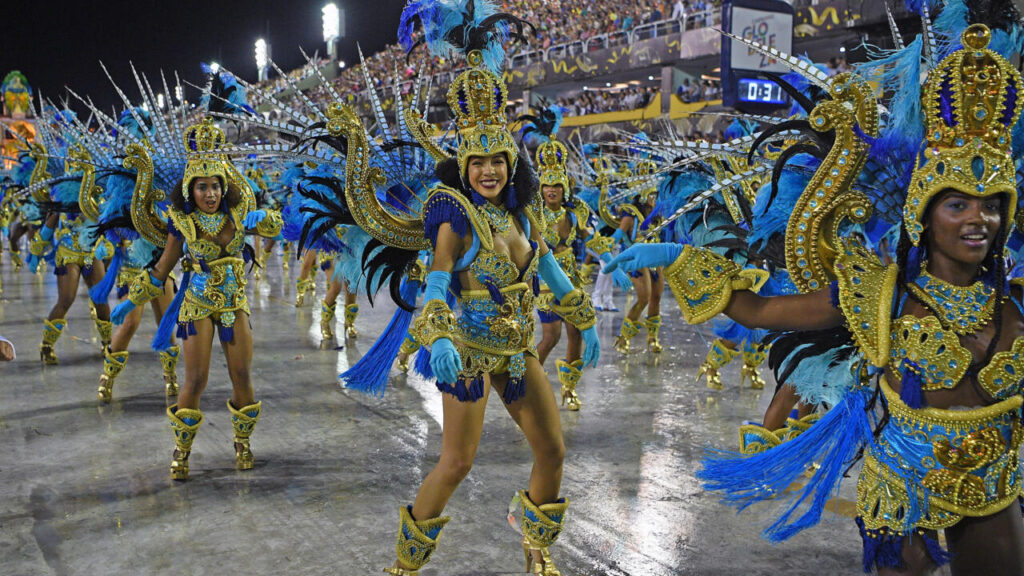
761 91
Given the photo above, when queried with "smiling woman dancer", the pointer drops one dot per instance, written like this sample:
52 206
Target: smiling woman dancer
209 216
940 331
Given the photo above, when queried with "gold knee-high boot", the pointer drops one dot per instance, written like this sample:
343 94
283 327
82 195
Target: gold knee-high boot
243 420
113 363
417 541
626 333
351 313
541 526
105 328
753 356
327 320
653 325
51 333
302 286
185 423
718 356
169 361
568 376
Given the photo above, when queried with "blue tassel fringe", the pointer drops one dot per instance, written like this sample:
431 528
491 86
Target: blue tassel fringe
370 374
101 291
162 338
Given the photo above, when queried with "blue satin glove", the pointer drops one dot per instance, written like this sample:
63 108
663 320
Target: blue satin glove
640 256
620 278
592 351
445 361
620 237
253 218
121 311
33 263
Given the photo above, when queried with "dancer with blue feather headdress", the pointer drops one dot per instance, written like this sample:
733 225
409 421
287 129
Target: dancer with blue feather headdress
926 344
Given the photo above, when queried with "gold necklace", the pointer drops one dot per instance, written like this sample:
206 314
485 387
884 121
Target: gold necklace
499 218
553 217
210 224
963 309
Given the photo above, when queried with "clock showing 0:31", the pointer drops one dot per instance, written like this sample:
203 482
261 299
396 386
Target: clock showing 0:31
760 91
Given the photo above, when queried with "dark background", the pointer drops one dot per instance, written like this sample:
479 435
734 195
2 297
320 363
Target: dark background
57 44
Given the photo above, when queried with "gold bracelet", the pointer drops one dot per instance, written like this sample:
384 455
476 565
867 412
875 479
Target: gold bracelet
37 247
601 244
435 321
143 290
703 282
577 309
270 226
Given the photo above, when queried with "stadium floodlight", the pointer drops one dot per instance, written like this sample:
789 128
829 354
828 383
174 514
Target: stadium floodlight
341 64
262 58
160 101
332 22
214 67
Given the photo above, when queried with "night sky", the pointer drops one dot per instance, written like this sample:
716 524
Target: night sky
57 44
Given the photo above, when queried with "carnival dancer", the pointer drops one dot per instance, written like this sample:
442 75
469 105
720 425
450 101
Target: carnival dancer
211 210
565 219
634 220
67 233
938 332
133 255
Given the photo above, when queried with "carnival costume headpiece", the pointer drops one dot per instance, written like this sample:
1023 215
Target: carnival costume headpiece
646 168
202 141
552 155
971 102
477 98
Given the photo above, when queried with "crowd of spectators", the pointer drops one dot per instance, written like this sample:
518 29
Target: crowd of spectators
556 23
598 101
699 90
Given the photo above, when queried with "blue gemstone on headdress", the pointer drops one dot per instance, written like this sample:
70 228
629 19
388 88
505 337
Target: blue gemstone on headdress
484 141
978 167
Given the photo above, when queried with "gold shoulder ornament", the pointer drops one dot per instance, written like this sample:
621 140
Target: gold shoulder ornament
866 289
703 282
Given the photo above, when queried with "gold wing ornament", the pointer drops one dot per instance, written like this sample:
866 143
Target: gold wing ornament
89 193
812 235
39 173
248 196
604 210
145 197
361 181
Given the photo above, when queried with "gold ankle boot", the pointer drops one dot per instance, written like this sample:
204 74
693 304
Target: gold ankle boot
113 363
351 312
16 260
185 423
243 421
653 325
718 356
753 356
755 438
626 333
302 285
416 542
541 526
327 320
408 348
51 333
105 328
568 376
169 362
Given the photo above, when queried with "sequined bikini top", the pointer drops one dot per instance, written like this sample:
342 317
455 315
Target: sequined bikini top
867 293
551 236
203 248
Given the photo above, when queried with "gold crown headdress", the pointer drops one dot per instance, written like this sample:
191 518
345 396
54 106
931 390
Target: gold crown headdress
201 142
646 168
477 97
971 102
552 157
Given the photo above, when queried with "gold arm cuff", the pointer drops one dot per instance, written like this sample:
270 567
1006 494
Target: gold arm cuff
271 225
577 309
601 244
703 282
435 321
143 290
